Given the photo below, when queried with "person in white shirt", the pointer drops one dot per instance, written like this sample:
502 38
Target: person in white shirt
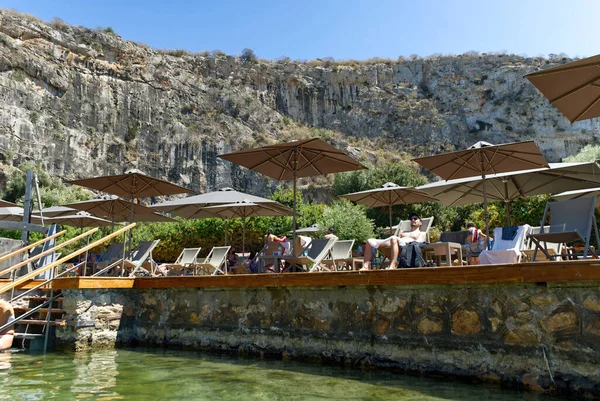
394 242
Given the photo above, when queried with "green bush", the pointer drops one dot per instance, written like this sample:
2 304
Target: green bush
349 221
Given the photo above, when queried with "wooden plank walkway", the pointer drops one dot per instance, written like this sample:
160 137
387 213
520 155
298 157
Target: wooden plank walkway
566 271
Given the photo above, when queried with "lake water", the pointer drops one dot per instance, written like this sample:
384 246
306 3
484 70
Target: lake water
143 374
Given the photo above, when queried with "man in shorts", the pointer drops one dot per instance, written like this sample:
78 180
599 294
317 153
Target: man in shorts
394 242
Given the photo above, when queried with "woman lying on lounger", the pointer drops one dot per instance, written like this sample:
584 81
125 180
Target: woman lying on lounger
394 242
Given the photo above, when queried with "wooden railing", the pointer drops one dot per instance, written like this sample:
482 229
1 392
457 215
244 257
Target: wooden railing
39 255
30 246
37 272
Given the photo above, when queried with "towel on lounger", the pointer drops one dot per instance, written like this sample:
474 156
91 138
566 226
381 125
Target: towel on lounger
509 233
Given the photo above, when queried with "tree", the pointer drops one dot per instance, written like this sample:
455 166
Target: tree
349 221
589 153
248 56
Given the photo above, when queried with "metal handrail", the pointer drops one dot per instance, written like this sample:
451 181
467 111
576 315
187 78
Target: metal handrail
69 270
29 313
107 268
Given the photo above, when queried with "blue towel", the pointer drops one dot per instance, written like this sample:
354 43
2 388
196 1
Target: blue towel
509 233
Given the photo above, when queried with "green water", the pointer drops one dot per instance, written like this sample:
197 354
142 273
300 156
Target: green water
178 375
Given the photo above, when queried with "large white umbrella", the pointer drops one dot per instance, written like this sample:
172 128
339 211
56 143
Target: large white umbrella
483 159
390 194
507 187
243 210
580 193
293 160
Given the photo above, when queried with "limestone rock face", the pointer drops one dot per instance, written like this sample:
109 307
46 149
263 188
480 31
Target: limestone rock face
83 103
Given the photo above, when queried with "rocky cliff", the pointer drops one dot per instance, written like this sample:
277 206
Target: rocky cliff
86 102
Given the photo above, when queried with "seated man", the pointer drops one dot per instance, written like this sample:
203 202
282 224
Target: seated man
330 234
413 235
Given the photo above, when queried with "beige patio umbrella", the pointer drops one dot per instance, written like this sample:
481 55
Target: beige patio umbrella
507 187
389 194
192 206
573 88
580 193
113 208
56 211
4 203
243 210
483 159
12 213
80 220
132 184
293 160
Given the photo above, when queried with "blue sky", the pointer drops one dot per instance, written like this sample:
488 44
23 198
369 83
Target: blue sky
343 29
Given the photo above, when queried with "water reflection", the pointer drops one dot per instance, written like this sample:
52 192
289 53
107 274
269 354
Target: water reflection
177 375
95 374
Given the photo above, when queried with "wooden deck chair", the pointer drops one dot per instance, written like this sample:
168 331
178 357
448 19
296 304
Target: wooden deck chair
142 254
570 221
185 260
340 255
404 225
215 262
319 249
112 254
505 250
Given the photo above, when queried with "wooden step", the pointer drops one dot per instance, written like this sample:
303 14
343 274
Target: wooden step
42 310
33 322
44 299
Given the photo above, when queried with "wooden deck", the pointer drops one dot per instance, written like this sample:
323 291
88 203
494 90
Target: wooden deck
567 271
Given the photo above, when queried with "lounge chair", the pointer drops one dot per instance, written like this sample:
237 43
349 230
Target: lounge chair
554 249
141 255
341 255
570 221
113 253
185 260
505 250
404 225
319 249
215 262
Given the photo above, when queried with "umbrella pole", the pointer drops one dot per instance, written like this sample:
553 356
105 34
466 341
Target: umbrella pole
391 229
508 212
506 202
487 224
243 235
226 229
294 218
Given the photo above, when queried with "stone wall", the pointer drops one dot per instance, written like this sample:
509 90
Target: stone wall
537 336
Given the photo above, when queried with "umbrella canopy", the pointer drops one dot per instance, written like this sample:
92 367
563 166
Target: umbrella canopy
4 203
114 208
56 211
510 186
132 184
289 161
573 88
192 206
310 230
243 210
11 213
388 195
581 193
80 220
482 159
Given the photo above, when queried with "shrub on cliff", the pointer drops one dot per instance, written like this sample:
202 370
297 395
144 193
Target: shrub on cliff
248 56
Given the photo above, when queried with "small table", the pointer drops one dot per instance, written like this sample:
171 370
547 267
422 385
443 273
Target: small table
447 249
